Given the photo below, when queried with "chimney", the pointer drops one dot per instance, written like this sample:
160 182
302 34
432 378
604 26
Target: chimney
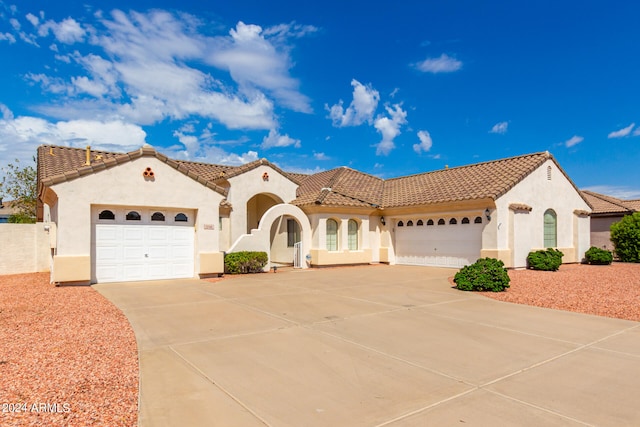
88 162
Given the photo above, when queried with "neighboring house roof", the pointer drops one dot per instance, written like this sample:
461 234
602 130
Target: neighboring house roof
336 187
609 205
7 209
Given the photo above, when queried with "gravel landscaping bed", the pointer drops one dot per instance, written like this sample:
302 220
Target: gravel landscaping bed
604 290
68 357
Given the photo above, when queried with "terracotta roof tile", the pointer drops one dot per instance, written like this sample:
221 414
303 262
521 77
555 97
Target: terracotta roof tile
603 204
478 181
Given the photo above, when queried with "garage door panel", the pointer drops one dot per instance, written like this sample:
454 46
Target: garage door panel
450 245
125 252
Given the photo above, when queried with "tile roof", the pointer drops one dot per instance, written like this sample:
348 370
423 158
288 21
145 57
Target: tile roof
58 164
336 187
488 180
603 204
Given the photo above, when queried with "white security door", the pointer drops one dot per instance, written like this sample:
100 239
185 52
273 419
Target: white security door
144 251
446 245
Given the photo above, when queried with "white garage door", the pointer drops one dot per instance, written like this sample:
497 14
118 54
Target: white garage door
143 249
445 245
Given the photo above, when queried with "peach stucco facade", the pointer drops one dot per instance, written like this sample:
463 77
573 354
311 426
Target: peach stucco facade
258 208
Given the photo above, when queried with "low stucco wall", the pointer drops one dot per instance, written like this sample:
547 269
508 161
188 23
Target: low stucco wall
25 248
320 257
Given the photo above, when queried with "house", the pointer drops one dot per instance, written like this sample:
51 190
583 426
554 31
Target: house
606 211
141 215
6 210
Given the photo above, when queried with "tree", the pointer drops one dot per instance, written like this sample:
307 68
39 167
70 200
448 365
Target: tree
20 185
625 235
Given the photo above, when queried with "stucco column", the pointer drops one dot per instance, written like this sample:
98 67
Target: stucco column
343 234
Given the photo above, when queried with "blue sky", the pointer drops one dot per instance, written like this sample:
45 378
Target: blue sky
386 88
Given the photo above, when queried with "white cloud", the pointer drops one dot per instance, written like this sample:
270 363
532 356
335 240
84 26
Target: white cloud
140 69
623 132
443 64
274 139
621 192
255 62
389 128
8 37
20 136
425 142
320 156
360 110
500 128
574 140
67 31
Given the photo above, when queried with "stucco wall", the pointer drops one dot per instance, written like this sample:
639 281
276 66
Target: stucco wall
243 187
124 185
522 232
601 232
25 248
320 255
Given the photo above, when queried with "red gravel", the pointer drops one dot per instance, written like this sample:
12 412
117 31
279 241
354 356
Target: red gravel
604 290
68 357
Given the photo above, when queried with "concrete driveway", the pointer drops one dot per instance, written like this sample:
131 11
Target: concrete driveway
371 346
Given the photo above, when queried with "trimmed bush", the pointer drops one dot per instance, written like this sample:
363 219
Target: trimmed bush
486 274
625 235
597 256
245 262
549 260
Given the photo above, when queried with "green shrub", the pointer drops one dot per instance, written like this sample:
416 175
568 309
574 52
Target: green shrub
548 260
245 262
625 235
598 256
486 274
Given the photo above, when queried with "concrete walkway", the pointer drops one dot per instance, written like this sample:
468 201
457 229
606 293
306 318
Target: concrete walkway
371 346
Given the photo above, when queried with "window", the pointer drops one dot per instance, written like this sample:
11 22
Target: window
430 222
419 222
453 221
400 224
441 221
133 216
332 235
157 216
353 235
550 229
478 220
106 214
409 223
293 232
465 220
181 218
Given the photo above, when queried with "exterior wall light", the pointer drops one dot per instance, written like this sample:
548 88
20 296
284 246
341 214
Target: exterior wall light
487 213
382 220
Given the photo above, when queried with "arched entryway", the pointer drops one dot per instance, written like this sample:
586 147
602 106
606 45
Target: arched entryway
257 206
260 238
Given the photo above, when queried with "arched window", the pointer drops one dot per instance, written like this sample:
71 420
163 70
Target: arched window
181 218
441 221
157 216
430 222
133 216
332 235
478 220
409 223
106 214
465 220
550 229
453 221
353 235
419 222
400 224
